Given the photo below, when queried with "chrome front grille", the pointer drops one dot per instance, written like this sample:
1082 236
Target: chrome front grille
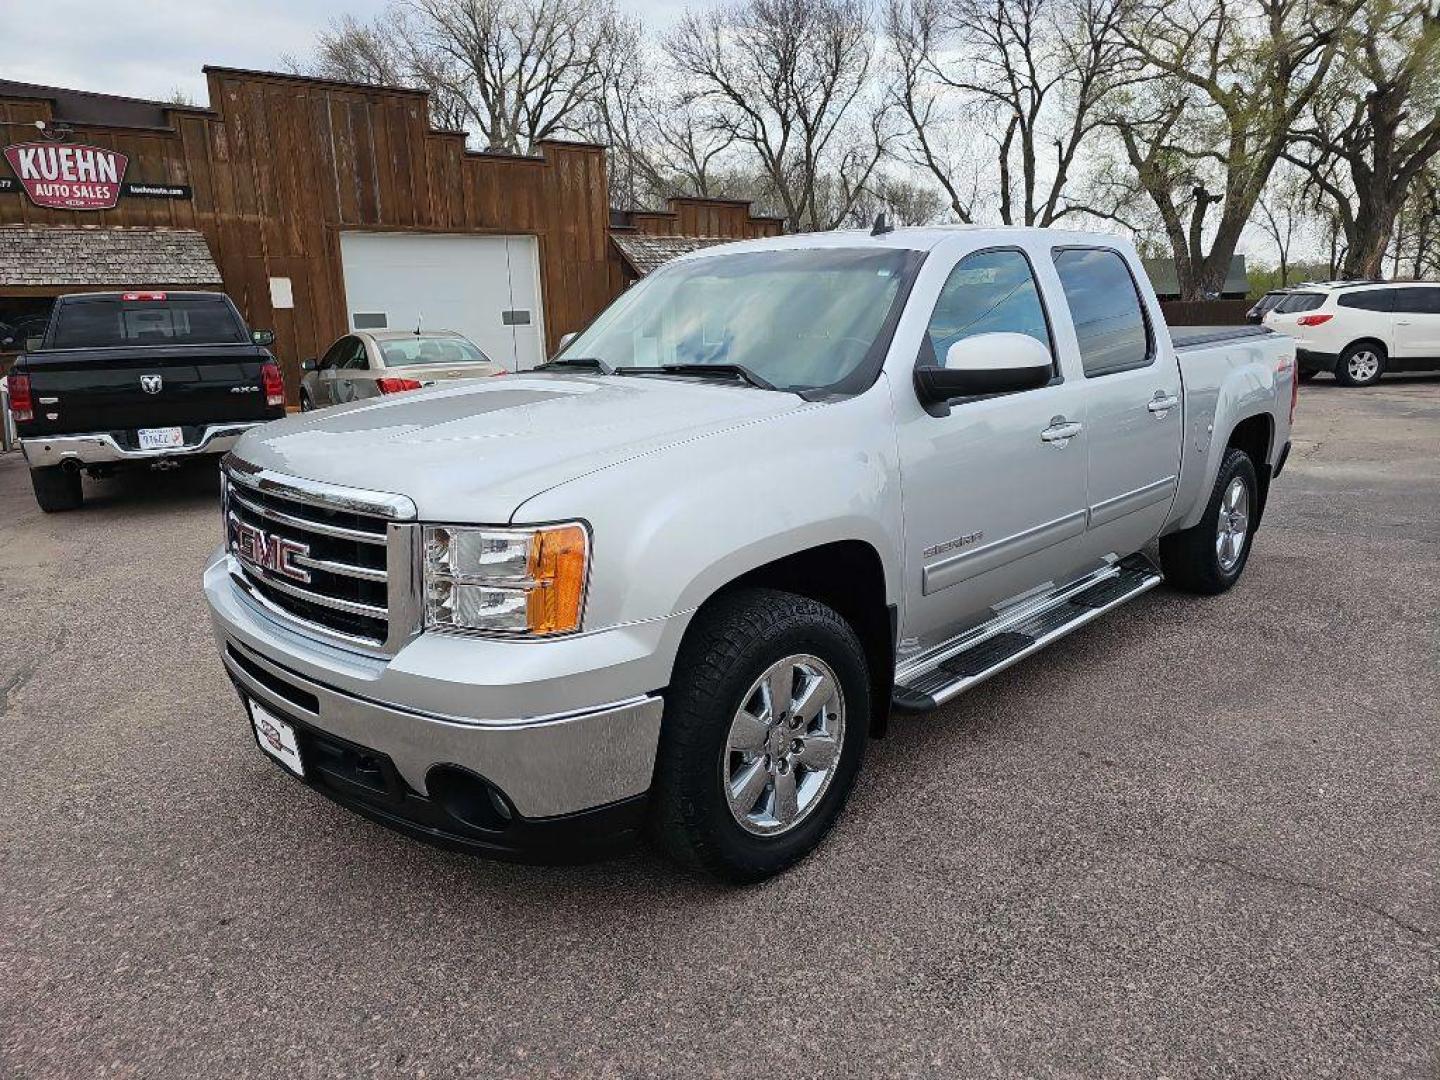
339 562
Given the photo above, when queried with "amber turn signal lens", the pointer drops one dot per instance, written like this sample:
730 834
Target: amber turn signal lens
557 567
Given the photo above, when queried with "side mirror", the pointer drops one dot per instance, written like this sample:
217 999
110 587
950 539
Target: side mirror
264 338
565 340
32 344
1000 363
309 365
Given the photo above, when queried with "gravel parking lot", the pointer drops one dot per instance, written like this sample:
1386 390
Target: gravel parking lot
1197 839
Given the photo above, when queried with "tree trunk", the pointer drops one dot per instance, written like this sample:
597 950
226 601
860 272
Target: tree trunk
1374 223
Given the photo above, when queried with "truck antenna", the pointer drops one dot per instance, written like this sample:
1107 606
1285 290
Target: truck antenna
419 322
881 225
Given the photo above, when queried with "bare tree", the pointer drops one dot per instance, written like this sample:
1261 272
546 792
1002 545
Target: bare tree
904 201
510 72
1379 121
1284 210
789 82
1227 82
1031 74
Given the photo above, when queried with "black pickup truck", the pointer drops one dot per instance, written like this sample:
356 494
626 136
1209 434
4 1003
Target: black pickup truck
138 379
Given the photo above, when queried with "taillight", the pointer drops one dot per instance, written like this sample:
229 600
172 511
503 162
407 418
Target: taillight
22 406
273 383
143 296
396 386
1313 320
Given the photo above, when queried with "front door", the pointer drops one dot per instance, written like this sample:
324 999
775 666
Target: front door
1135 419
994 502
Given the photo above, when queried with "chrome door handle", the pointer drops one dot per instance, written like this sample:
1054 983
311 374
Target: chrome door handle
1162 403
1061 431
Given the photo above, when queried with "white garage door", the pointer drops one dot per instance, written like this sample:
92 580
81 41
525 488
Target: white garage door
486 287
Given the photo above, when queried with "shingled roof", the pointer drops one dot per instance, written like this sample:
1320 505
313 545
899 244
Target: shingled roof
645 253
89 255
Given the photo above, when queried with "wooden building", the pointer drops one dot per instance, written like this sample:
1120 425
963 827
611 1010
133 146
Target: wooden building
324 206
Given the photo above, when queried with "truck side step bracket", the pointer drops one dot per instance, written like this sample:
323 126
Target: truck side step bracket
946 672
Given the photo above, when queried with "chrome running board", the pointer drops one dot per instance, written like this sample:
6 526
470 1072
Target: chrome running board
929 681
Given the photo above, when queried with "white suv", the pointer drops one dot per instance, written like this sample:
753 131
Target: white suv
1361 331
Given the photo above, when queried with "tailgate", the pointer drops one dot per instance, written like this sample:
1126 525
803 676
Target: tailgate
85 390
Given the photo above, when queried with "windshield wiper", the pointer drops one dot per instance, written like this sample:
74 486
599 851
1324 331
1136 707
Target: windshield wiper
590 363
734 371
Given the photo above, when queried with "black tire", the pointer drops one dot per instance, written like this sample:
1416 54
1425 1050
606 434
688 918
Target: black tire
733 642
1190 559
57 488
1307 375
306 405
1345 377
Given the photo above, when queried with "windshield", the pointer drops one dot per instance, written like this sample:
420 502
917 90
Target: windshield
405 352
801 320
88 324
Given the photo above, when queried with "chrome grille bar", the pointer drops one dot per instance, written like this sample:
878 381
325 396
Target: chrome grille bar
282 518
364 573
350 607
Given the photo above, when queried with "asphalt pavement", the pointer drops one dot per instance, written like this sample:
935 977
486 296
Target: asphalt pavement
1198 838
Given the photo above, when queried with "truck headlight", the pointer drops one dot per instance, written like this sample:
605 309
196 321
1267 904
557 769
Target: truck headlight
507 581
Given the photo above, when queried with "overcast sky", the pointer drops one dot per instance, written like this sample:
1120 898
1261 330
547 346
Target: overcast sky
150 48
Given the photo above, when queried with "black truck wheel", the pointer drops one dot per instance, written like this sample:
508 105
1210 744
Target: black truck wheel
765 725
1209 557
57 488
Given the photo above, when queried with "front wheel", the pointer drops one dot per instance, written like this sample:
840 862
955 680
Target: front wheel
765 725
1360 365
1209 557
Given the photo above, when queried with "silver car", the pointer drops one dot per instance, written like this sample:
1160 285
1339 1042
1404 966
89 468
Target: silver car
367 364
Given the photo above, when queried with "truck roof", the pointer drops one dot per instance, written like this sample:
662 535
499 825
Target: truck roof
167 294
916 238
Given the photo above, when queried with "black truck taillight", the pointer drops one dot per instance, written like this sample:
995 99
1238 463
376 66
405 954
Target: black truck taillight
22 405
272 383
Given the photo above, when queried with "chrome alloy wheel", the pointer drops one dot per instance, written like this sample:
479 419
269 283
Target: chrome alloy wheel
1363 365
784 745
1234 523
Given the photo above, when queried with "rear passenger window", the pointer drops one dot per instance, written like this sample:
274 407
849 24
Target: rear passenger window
1109 320
1368 300
1300 301
986 293
1417 301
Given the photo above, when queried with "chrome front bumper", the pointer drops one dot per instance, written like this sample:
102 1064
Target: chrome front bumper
545 765
100 448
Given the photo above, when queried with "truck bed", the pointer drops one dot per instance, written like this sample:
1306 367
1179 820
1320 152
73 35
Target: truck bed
1192 337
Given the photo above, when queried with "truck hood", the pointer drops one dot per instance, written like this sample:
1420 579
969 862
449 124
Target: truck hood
474 451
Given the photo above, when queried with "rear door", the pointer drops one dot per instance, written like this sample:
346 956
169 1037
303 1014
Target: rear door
1133 399
1417 322
351 377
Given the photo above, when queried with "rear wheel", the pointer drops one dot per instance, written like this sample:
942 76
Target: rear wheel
1361 364
57 488
1210 557
765 724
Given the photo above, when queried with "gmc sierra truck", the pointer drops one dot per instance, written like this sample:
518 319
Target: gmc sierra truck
138 379
672 581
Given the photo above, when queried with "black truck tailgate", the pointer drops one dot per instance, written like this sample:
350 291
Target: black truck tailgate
144 386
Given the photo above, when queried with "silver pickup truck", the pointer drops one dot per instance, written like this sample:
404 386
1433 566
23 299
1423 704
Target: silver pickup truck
672 581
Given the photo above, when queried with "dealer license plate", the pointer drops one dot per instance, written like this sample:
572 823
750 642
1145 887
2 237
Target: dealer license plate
276 738
161 438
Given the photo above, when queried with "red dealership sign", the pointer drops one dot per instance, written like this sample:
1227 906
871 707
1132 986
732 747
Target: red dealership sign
65 177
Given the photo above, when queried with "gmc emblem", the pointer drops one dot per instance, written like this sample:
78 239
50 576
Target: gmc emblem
266 552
